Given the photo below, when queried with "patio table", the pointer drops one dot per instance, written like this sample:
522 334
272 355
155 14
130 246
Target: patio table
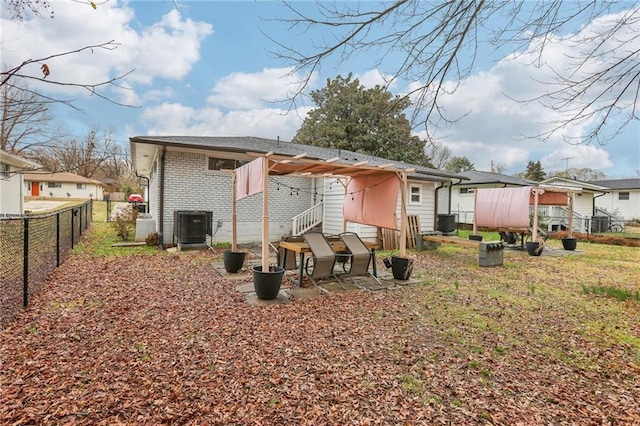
302 248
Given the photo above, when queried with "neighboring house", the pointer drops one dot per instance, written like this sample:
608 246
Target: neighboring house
584 204
188 174
11 182
61 185
623 198
463 193
553 218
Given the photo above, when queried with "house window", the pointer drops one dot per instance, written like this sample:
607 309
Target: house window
467 191
54 185
415 194
224 163
623 196
3 171
81 186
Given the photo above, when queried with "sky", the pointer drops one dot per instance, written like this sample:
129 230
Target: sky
206 68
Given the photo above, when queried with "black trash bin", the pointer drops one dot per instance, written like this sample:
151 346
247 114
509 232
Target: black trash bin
446 223
599 224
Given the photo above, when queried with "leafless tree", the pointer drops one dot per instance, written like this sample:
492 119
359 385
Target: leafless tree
89 156
437 153
25 119
434 43
25 71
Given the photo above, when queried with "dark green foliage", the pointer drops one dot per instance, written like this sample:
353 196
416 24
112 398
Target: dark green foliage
371 121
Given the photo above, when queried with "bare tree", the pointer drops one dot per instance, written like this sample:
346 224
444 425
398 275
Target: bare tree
25 119
24 70
438 154
437 44
86 157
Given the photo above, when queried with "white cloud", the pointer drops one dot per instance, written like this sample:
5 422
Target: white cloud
496 127
180 120
242 90
372 78
167 49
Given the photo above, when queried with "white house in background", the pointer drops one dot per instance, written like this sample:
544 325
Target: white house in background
61 185
187 174
463 192
554 217
623 198
11 182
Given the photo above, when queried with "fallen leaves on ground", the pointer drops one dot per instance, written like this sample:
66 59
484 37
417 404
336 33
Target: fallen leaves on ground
165 339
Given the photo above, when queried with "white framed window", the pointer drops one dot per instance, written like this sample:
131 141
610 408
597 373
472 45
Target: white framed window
54 185
415 194
81 186
623 196
214 163
463 191
4 169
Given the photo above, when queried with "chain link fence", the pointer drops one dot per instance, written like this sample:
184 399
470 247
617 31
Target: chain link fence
31 247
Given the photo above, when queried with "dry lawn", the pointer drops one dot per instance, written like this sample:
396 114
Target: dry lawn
152 339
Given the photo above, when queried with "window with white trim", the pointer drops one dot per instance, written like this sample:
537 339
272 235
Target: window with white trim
415 194
54 185
623 196
81 186
4 169
463 191
224 163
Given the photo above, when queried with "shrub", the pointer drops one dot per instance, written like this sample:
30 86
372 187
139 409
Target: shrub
124 221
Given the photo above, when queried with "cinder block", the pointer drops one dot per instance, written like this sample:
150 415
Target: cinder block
491 253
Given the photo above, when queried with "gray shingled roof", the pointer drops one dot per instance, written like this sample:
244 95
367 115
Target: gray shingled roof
485 178
243 144
633 183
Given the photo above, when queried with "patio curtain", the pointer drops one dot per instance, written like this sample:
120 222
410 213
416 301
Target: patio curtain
372 200
502 207
249 179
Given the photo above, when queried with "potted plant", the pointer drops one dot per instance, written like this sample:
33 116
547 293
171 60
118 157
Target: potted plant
569 242
233 260
534 248
401 267
267 284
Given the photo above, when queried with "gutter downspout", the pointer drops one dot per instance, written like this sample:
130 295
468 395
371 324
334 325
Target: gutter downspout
161 211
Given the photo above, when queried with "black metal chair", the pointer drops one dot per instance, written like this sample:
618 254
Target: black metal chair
359 257
322 260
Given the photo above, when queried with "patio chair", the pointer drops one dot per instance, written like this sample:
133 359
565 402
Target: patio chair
322 260
359 257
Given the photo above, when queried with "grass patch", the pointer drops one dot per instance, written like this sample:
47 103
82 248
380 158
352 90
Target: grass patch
613 292
100 237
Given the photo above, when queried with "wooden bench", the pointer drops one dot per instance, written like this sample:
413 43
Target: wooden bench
490 253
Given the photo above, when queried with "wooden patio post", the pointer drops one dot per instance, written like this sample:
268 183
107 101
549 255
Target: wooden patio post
475 211
265 213
403 213
570 195
234 228
534 232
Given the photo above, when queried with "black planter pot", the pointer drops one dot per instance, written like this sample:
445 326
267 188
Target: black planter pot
233 260
267 284
475 237
401 267
533 248
569 243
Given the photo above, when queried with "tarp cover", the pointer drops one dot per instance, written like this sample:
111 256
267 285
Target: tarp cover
503 207
372 200
249 179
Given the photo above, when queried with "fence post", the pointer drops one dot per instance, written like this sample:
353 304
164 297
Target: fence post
25 263
72 228
58 240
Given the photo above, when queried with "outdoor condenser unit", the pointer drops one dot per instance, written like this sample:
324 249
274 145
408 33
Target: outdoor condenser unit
192 227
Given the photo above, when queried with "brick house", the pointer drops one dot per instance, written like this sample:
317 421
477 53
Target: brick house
187 173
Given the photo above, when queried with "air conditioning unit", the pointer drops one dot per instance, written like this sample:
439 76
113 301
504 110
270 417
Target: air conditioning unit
192 227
